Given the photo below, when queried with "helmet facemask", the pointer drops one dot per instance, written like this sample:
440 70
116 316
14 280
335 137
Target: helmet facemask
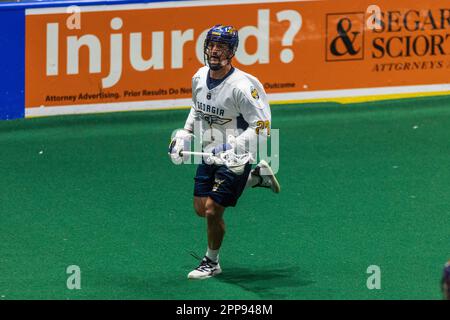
217 54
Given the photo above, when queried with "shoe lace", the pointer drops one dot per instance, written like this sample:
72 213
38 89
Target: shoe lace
206 265
266 183
262 182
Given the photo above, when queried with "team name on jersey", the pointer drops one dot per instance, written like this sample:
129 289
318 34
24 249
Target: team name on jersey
211 109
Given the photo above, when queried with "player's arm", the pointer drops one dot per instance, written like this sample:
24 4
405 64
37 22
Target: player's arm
183 136
254 107
189 124
181 141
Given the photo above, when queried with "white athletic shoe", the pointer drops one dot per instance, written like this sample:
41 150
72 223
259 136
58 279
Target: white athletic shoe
205 270
266 176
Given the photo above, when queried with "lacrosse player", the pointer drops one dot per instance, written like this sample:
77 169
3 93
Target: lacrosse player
445 282
230 113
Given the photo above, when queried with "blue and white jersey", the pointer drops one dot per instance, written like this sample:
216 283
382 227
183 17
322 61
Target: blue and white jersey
236 105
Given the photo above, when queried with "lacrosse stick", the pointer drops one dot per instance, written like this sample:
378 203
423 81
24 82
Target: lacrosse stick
228 158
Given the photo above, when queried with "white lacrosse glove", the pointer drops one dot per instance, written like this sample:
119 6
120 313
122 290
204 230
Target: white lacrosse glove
180 142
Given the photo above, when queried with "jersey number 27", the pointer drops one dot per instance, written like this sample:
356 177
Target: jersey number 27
261 125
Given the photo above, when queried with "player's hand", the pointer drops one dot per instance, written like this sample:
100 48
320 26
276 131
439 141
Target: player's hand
178 144
221 148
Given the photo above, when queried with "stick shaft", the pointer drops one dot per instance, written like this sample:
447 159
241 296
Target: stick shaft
194 153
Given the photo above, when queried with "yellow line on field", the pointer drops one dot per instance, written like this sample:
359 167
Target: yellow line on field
347 100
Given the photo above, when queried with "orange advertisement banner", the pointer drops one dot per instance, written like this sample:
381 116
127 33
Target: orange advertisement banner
144 52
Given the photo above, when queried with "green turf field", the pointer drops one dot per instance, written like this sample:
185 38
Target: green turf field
362 184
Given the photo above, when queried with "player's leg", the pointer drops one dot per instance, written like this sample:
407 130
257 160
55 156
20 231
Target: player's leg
200 206
216 228
209 266
227 188
446 281
204 180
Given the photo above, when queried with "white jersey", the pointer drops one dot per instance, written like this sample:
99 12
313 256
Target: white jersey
238 106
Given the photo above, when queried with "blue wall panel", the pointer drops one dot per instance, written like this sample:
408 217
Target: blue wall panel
12 63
